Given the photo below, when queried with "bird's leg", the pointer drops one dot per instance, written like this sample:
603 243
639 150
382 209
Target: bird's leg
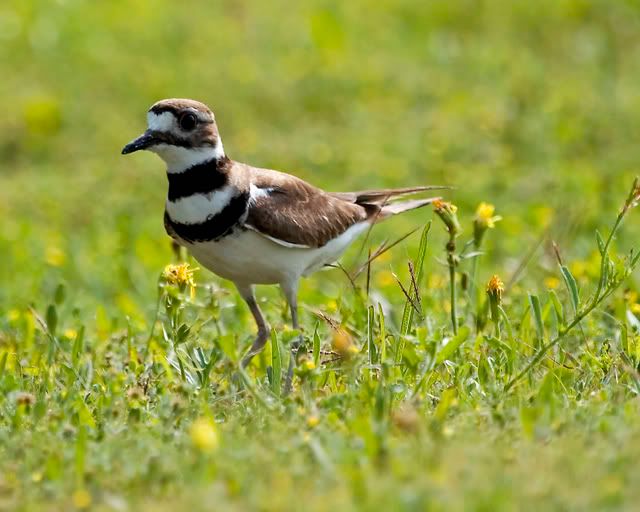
263 328
291 293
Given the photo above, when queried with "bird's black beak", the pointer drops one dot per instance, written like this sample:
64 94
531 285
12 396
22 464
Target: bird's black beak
145 140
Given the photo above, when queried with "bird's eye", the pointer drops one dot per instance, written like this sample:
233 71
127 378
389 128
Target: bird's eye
188 122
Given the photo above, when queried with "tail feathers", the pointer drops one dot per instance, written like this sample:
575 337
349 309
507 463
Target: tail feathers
404 206
382 195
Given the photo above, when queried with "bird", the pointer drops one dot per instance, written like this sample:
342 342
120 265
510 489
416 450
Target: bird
252 225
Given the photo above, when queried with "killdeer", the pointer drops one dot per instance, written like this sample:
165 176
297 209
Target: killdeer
251 225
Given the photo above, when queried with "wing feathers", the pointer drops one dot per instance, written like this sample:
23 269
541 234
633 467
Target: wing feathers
294 213
381 195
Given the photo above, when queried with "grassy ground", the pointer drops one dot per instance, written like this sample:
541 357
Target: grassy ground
529 106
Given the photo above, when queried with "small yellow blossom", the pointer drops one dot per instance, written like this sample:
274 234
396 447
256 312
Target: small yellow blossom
342 343
332 305
180 275
81 499
485 215
484 220
635 308
551 282
54 256
309 365
579 268
204 435
70 333
384 279
313 421
439 205
495 287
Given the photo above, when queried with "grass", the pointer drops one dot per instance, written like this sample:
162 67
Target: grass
120 390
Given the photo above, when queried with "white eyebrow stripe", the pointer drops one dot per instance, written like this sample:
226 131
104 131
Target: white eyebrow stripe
163 122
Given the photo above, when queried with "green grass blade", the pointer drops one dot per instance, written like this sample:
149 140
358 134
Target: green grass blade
572 287
454 343
407 313
557 308
383 335
316 346
371 345
534 301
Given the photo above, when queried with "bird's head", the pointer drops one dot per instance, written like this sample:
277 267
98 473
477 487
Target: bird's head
182 132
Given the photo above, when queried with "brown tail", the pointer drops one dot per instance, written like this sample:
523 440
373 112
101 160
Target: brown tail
404 206
382 195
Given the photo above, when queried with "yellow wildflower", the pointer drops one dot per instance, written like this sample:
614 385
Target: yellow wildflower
551 282
309 365
440 205
204 435
342 343
485 215
484 219
495 287
313 421
70 333
55 256
180 275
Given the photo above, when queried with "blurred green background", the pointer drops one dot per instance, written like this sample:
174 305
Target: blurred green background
532 106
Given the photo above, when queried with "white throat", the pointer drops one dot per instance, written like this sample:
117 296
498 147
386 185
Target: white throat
179 159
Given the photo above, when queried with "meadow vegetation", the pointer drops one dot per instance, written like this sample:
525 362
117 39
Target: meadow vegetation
488 361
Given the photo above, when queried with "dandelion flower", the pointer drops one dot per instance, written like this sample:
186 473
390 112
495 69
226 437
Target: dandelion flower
484 220
495 288
180 275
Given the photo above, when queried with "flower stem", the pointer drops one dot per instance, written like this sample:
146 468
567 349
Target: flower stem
451 260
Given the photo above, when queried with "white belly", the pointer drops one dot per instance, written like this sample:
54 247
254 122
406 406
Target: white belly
247 257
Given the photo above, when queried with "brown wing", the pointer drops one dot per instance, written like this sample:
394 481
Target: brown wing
290 210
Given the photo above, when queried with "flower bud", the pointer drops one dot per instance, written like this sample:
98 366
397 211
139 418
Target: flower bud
447 212
495 289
